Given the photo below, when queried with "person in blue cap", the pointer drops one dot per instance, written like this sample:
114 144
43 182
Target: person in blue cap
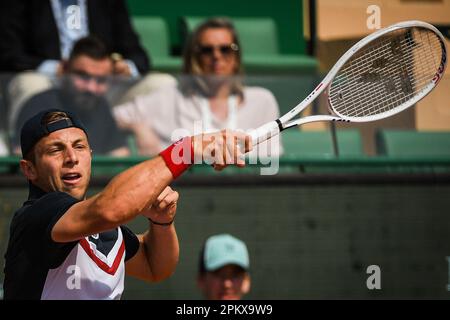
224 268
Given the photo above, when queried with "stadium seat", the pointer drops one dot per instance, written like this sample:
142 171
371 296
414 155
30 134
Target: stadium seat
318 144
406 143
132 145
288 89
154 36
260 46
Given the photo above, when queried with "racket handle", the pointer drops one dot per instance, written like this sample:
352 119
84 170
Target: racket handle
264 132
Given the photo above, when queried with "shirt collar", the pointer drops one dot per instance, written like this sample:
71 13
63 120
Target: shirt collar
34 192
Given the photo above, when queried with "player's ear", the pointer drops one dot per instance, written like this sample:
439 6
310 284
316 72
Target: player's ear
246 284
28 169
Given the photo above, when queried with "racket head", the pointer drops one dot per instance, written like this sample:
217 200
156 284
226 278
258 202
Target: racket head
387 72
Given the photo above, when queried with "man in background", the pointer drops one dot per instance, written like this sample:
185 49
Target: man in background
37 36
86 79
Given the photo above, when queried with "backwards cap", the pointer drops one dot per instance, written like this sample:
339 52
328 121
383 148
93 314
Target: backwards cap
34 129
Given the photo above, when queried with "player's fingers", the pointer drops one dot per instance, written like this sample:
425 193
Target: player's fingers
161 196
229 156
240 158
169 200
247 139
244 141
234 155
164 193
219 160
171 211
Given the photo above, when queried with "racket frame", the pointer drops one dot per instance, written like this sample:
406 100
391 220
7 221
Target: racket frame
272 128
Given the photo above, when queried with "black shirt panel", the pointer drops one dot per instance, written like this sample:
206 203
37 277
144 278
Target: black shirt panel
31 252
131 242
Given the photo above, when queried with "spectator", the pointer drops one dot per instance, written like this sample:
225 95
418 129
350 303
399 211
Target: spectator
38 35
211 91
81 92
224 268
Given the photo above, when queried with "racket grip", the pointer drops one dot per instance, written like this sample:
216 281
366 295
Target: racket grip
264 132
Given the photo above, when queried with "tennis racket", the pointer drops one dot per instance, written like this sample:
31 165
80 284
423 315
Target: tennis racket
380 76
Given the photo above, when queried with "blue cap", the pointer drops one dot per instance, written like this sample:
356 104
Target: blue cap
34 130
224 249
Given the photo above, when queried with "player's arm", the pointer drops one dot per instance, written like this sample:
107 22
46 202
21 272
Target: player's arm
128 194
134 190
158 251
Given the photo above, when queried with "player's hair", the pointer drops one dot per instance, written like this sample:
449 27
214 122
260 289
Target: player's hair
47 119
194 80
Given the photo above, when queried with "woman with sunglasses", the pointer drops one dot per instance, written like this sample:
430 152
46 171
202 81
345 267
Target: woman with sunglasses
210 95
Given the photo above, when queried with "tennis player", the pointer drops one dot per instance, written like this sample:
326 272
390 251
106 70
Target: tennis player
63 245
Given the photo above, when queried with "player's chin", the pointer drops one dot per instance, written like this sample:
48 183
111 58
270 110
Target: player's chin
77 192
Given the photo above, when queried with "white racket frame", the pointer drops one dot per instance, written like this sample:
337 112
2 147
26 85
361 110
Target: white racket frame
273 128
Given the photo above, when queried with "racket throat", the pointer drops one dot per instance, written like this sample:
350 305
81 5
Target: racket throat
266 131
280 125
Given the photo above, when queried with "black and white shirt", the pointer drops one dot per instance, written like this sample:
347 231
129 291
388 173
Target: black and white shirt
36 267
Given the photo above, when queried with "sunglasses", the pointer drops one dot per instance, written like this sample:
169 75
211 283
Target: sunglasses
225 50
88 77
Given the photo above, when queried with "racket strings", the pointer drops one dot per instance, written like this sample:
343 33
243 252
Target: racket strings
406 81
386 74
366 64
391 99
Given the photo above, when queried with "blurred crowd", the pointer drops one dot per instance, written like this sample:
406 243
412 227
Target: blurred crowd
85 57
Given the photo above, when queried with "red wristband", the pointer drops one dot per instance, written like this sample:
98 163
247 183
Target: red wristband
175 157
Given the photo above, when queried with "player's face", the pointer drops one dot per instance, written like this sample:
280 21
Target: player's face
216 53
90 75
227 283
63 162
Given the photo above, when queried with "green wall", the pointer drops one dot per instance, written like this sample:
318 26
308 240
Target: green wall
287 14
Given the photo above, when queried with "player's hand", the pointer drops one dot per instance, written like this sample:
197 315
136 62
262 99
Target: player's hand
223 148
163 210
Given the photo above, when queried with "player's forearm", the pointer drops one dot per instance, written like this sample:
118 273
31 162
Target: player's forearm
133 191
163 251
